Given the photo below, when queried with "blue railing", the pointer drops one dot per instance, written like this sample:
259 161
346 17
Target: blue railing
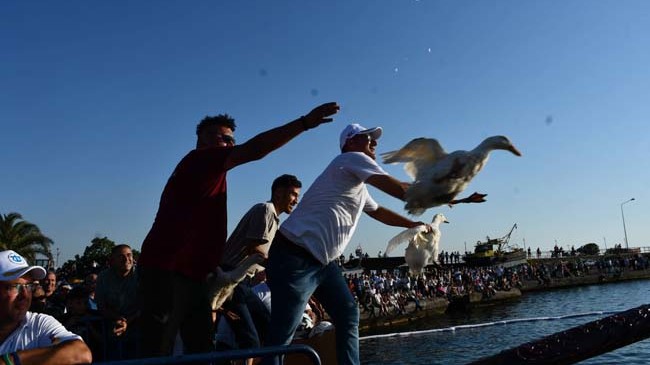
224 355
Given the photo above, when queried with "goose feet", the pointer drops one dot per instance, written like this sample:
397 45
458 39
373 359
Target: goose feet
474 198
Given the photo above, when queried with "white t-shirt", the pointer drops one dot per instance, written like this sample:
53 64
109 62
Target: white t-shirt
325 219
36 330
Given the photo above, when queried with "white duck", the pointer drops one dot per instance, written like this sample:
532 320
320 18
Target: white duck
221 284
439 176
423 246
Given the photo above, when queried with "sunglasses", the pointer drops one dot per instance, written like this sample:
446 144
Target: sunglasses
13 289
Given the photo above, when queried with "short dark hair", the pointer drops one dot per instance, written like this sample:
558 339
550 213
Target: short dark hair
224 120
285 181
118 248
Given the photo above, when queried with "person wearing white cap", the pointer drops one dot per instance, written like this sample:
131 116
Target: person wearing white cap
302 258
31 338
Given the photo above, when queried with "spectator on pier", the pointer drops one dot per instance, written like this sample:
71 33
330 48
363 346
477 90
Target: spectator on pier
38 299
32 338
83 321
188 235
116 295
90 284
54 303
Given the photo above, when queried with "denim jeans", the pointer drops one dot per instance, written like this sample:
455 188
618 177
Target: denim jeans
254 317
293 276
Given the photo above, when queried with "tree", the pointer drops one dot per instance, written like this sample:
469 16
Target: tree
94 259
589 249
23 237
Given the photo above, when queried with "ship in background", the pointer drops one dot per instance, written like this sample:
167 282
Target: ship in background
496 251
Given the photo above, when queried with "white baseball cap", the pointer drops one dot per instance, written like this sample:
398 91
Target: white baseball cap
354 129
13 266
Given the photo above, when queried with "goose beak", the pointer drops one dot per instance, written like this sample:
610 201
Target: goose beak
514 150
445 221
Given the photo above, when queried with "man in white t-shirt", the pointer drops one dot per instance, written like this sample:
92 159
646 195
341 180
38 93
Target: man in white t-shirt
302 259
31 338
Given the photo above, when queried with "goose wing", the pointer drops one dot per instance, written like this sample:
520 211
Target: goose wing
405 236
222 283
418 155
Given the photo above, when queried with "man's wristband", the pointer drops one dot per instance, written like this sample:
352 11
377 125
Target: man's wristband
6 359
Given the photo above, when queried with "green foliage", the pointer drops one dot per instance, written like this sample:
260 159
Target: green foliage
589 249
23 237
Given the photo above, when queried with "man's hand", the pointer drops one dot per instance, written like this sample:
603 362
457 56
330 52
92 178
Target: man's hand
427 226
119 327
319 115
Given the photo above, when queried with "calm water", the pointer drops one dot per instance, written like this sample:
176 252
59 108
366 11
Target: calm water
467 344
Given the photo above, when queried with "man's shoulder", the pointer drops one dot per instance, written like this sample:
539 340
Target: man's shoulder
203 156
356 160
262 209
34 319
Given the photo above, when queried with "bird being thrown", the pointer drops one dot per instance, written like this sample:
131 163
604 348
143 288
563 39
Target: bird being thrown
423 247
439 176
221 284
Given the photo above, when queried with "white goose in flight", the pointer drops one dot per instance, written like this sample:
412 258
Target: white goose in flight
439 176
423 246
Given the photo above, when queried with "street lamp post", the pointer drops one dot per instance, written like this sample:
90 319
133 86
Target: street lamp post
623 216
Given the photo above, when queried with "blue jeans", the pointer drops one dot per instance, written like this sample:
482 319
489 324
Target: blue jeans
254 317
293 276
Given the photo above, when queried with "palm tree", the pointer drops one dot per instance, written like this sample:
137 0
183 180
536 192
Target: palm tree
23 237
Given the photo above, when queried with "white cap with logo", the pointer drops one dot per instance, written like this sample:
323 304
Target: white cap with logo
13 266
355 129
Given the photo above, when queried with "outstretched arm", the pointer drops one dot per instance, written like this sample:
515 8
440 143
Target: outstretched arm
389 185
69 352
266 142
391 218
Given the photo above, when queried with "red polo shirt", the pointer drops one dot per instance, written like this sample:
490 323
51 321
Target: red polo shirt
190 229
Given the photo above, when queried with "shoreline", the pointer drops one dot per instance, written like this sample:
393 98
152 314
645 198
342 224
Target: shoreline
438 307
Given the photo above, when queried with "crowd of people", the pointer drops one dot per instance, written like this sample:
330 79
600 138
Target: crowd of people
102 310
389 293
169 304
188 243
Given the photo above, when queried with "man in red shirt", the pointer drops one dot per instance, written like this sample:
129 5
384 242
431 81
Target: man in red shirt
188 235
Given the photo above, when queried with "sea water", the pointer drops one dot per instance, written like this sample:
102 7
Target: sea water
464 337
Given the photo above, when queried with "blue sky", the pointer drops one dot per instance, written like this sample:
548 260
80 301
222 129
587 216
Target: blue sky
99 101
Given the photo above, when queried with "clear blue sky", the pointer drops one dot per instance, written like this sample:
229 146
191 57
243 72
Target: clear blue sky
99 101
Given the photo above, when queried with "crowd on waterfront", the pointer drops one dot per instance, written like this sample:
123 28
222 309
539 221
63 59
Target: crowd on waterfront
388 293
385 293
87 307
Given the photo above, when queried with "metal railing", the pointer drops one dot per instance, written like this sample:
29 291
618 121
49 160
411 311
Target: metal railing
223 356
